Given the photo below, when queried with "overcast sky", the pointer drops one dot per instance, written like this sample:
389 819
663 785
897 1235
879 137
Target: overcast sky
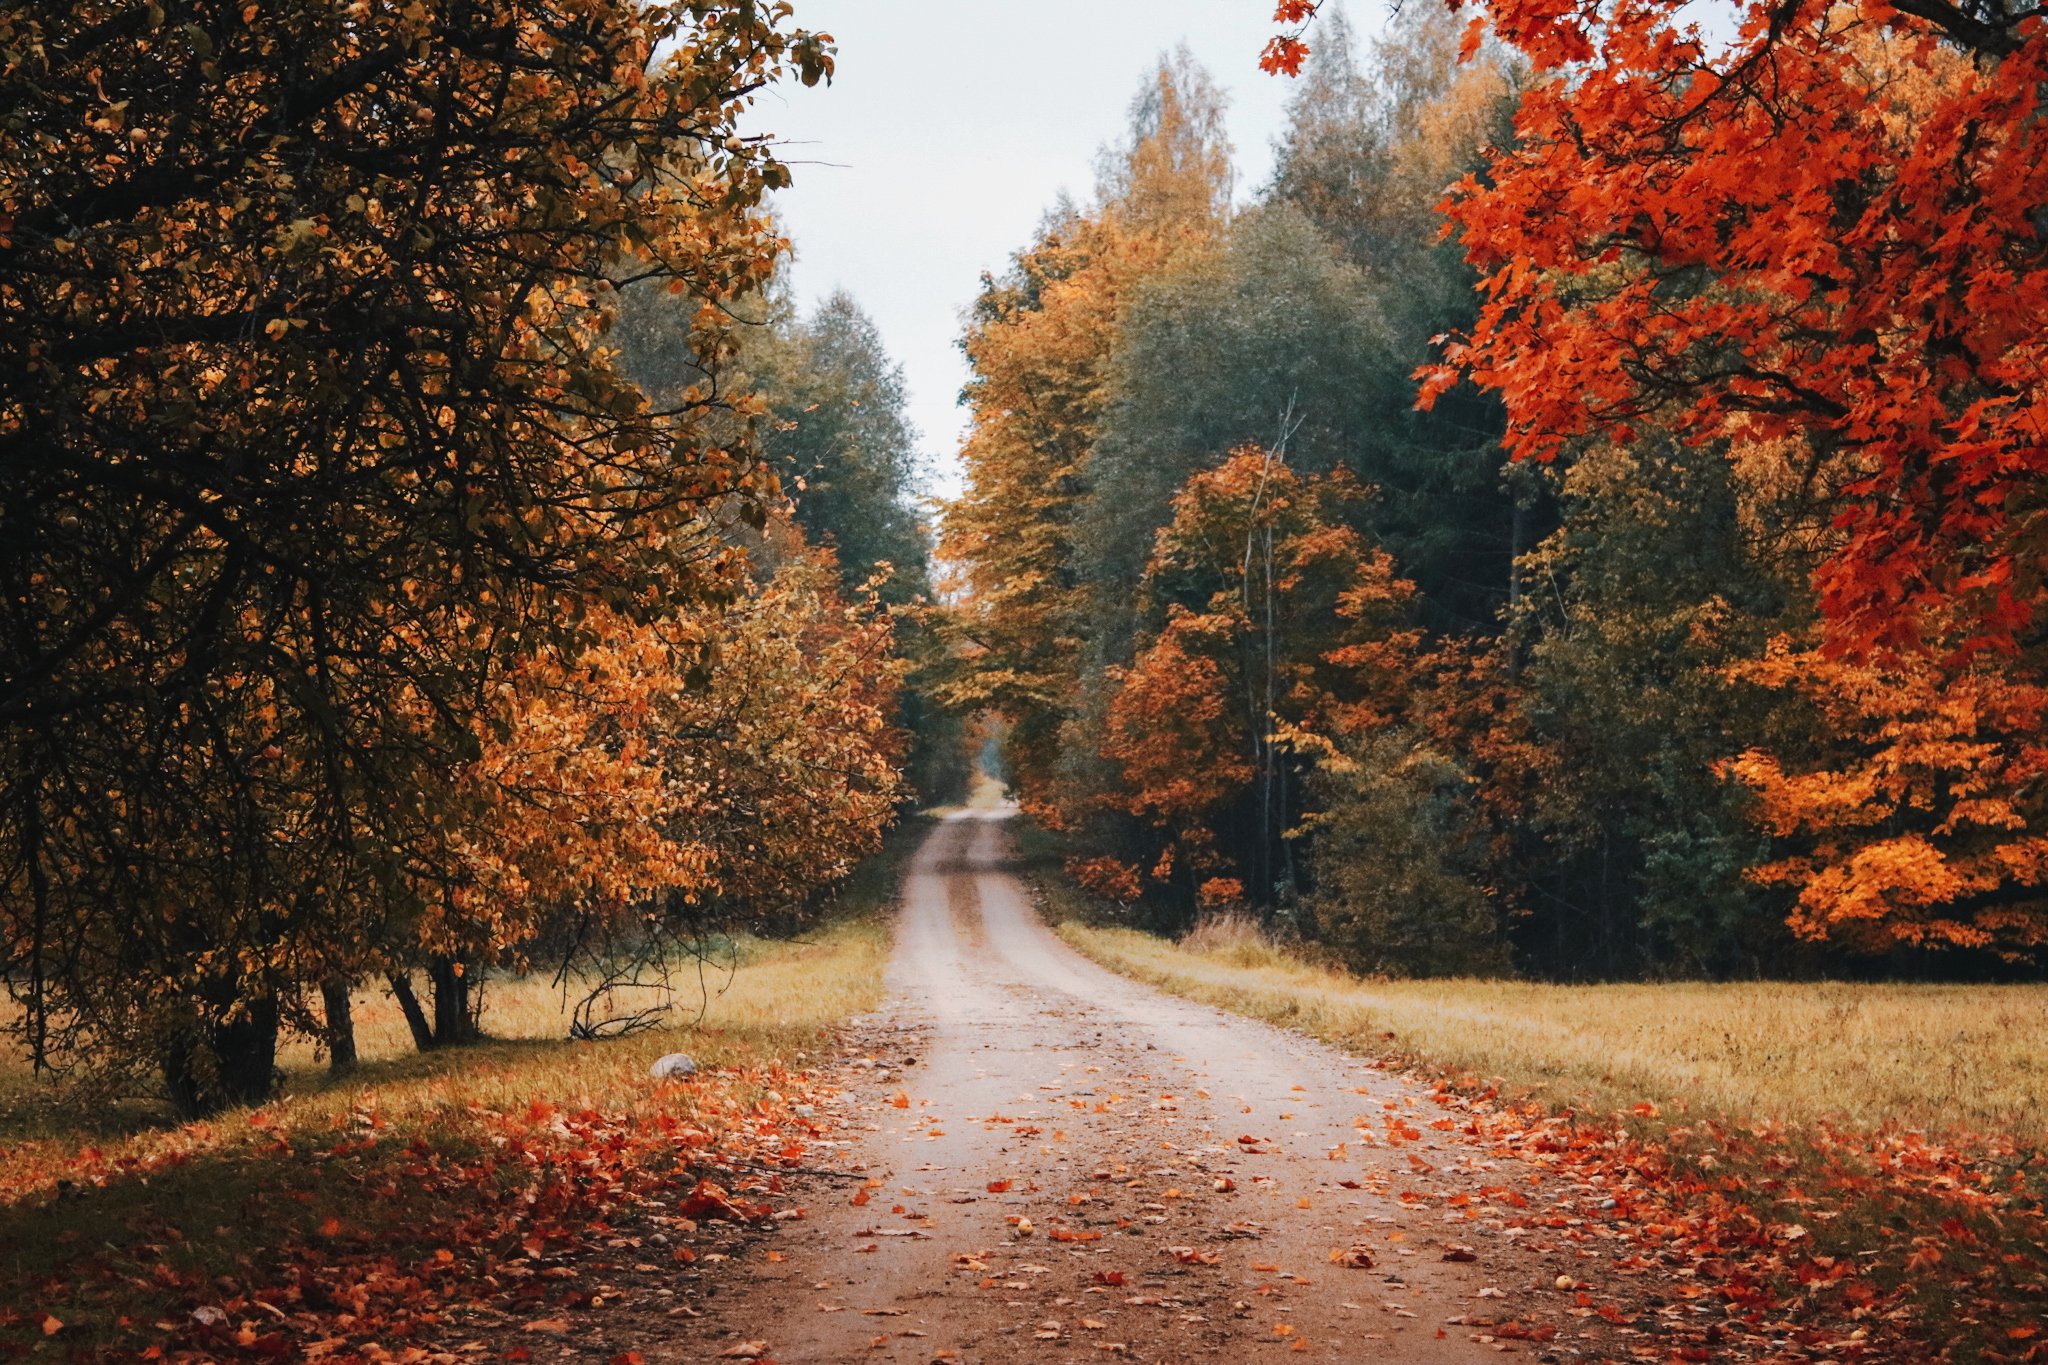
952 125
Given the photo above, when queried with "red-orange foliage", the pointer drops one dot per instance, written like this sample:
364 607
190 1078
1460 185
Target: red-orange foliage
1285 52
1278 614
1824 235
1917 826
1826 231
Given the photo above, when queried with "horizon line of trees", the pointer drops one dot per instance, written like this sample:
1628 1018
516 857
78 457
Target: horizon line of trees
1284 609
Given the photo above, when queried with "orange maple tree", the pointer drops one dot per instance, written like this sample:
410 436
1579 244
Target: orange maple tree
1277 612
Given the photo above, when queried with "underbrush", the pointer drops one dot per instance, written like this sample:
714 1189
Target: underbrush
1854 1169
337 1220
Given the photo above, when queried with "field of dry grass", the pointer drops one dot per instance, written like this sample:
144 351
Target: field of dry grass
774 1003
115 1218
1935 1058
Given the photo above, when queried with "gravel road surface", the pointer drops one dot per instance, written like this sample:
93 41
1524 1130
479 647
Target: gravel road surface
1062 1165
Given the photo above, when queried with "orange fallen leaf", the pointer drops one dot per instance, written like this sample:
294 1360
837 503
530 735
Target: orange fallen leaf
1302 1202
1268 1269
52 1325
547 1325
749 1350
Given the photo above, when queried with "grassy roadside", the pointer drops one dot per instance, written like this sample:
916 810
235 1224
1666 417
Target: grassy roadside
1944 1060
351 1213
1857 1172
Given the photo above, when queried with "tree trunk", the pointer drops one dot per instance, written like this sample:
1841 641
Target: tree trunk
223 1061
415 1018
245 1049
341 1027
454 1021
181 1077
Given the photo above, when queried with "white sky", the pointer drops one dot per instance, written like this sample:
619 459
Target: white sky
950 128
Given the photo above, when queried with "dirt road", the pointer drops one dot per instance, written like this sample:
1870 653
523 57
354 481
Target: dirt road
1070 1165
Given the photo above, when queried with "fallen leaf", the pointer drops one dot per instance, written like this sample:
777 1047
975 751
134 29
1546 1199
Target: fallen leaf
52 1324
1459 1253
547 1325
885 1312
748 1350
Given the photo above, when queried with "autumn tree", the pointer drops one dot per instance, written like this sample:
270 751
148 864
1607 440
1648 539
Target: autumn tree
1375 130
1040 343
1271 611
1823 232
839 436
836 432
309 438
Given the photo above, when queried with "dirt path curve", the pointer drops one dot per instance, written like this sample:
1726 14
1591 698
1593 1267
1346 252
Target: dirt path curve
1156 1231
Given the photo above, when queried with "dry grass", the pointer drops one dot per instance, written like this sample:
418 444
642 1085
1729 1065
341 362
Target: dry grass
114 1219
1935 1058
776 1004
